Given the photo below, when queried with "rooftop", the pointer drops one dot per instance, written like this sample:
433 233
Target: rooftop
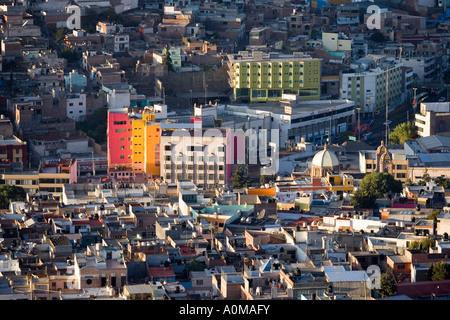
301 108
399 259
340 274
161 272
60 241
269 58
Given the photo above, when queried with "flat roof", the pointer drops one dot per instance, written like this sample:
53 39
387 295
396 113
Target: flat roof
269 58
302 107
139 288
339 274
6 141
444 244
399 259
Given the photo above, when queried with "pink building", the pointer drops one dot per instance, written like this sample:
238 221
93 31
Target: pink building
119 145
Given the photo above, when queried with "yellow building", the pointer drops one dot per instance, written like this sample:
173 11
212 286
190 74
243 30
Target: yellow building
145 145
49 178
335 42
263 77
340 183
385 160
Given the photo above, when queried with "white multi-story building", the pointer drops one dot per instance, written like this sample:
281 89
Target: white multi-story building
105 28
366 86
296 120
76 106
121 42
8 264
424 67
119 96
196 155
432 118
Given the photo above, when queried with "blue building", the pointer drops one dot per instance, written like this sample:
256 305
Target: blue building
75 82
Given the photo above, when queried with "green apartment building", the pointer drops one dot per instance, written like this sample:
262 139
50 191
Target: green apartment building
263 77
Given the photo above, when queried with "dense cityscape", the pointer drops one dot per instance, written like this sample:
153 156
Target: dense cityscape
251 150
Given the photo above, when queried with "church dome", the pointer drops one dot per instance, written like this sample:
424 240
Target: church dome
325 159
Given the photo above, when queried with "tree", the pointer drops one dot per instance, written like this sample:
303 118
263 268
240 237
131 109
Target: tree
425 178
61 33
424 244
167 59
89 23
442 182
440 271
70 55
262 180
95 125
362 200
110 15
388 285
373 186
377 37
434 215
10 193
403 132
408 182
239 179
197 266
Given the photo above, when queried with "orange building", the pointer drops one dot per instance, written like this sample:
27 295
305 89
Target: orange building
146 137
133 145
269 192
401 267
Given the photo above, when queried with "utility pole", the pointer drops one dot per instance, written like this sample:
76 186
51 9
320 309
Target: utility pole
415 100
359 123
387 104
329 133
205 86
93 165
